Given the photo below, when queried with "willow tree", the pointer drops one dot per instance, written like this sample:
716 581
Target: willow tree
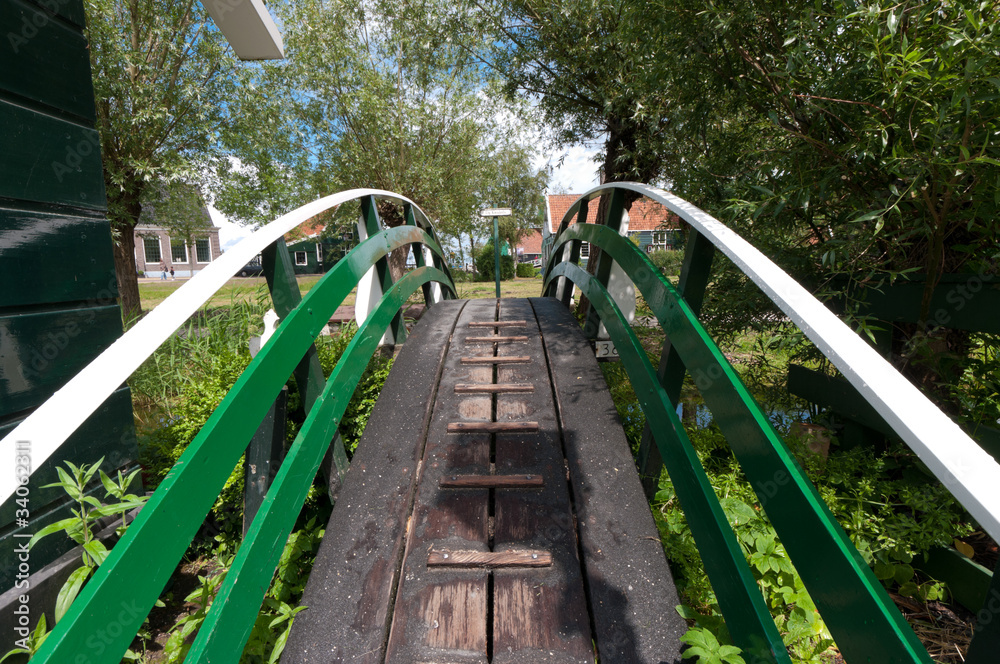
383 98
162 77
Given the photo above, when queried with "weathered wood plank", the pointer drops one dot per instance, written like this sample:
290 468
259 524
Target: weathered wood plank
498 323
53 67
491 481
353 581
540 615
48 160
41 350
492 427
76 253
465 388
440 615
495 340
630 587
512 359
489 559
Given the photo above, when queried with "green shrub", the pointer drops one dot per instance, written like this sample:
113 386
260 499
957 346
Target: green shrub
526 270
669 261
485 261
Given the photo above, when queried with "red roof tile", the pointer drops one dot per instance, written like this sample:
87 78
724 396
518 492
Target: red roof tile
531 243
645 214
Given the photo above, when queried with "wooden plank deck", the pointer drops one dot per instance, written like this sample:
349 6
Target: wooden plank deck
489 524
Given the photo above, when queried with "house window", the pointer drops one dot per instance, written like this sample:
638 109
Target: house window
151 247
319 252
660 240
203 249
301 258
584 250
178 251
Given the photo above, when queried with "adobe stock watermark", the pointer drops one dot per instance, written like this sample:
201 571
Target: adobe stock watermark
75 153
958 297
22 517
31 23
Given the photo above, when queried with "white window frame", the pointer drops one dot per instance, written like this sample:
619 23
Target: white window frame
208 241
159 248
187 257
319 252
305 258
584 250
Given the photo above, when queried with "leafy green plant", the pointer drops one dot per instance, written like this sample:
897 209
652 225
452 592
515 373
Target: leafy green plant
526 270
668 260
178 643
80 526
33 642
75 480
703 645
485 260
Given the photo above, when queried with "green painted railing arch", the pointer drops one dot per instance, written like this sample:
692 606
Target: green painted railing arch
859 613
110 609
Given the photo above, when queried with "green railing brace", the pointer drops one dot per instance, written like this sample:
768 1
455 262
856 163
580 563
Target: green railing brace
369 211
747 616
230 620
285 295
691 286
101 623
855 606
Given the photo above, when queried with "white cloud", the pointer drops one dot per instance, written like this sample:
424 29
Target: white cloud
574 171
229 232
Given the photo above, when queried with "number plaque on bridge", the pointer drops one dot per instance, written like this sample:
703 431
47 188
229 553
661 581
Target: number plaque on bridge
605 350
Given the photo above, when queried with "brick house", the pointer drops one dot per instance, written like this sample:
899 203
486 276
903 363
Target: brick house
154 243
650 225
529 248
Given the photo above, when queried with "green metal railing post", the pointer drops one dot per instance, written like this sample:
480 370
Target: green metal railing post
263 457
564 287
986 639
285 295
137 568
369 210
602 271
856 608
691 286
231 618
496 254
747 616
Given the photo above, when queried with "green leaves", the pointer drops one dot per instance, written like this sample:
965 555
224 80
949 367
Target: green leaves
71 589
703 645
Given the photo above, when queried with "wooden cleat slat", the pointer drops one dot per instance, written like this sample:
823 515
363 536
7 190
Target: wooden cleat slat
494 340
503 359
492 427
489 559
491 482
490 388
499 323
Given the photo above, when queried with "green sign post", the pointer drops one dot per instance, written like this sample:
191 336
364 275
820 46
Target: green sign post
496 213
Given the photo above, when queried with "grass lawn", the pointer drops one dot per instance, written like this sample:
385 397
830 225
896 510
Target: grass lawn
153 292
526 287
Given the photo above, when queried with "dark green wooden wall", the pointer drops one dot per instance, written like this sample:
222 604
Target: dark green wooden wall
58 296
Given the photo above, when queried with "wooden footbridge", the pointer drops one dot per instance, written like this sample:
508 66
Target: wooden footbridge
493 511
486 522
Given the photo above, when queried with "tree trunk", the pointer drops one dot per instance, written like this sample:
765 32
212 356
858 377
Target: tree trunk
391 217
128 282
124 251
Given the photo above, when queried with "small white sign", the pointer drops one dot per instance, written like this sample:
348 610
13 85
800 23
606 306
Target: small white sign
606 349
495 212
